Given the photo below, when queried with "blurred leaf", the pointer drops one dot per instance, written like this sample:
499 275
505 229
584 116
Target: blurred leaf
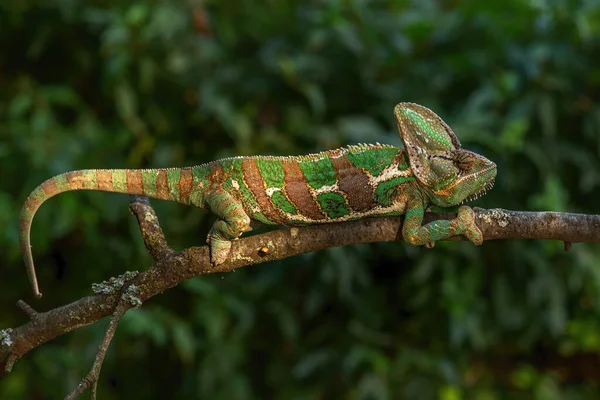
311 363
20 104
450 393
524 377
144 322
183 339
552 198
125 100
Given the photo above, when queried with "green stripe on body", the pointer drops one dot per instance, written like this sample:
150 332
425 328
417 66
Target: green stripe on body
119 180
149 181
26 215
200 176
333 204
173 176
279 200
90 180
319 172
61 182
233 170
271 170
372 160
39 194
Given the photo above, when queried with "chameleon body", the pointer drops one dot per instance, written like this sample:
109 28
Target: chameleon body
332 186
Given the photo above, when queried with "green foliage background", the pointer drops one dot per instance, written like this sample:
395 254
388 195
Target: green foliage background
100 84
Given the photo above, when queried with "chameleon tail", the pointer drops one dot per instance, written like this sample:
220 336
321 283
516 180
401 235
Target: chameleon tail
173 184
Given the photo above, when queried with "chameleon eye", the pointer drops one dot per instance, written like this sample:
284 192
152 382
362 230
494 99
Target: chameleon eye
463 161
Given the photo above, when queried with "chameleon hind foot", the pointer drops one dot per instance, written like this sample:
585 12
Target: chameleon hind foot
232 222
219 250
219 240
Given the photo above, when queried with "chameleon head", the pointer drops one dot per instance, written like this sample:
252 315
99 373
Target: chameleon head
447 173
466 176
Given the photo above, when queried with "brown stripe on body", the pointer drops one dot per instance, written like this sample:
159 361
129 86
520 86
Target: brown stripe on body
31 204
49 187
75 179
186 183
256 184
298 192
135 184
104 180
162 185
354 183
216 173
24 222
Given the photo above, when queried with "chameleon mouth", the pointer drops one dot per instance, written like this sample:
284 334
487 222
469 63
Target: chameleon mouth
481 192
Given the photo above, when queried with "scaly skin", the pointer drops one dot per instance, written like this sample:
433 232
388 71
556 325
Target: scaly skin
332 186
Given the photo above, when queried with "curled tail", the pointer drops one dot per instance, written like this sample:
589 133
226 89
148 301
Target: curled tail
175 184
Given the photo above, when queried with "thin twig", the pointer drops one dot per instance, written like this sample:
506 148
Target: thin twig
91 379
156 244
27 309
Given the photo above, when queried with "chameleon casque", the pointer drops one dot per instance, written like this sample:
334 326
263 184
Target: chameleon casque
332 186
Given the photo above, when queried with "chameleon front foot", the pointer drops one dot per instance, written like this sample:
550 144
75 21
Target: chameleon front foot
466 219
427 235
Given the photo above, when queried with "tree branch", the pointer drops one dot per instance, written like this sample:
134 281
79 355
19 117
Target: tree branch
172 267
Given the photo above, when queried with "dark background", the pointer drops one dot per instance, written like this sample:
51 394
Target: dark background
114 84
